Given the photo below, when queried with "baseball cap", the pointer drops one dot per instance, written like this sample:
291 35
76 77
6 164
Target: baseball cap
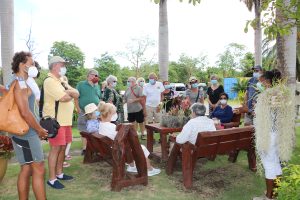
257 67
192 78
56 59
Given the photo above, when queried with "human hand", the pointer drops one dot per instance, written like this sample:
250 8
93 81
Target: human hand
236 111
43 133
131 100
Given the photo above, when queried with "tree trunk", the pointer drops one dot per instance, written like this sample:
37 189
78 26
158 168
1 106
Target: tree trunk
163 44
7 37
286 50
257 34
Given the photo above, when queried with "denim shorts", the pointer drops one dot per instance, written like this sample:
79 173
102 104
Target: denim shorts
28 149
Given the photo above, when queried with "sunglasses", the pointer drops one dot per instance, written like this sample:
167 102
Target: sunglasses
94 75
115 81
223 98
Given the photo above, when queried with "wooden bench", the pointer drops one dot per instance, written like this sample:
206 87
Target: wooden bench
209 145
124 148
91 153
235 121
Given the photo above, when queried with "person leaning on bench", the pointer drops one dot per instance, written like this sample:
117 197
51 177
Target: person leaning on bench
108 129
197 124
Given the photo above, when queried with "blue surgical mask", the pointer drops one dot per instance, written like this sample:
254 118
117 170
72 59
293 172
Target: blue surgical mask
97 113
194 85
167 87
63 71
128 84
256 74
142 84
214 82
152 81
260 86
114 84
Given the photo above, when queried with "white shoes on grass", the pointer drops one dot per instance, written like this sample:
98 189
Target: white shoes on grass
152 172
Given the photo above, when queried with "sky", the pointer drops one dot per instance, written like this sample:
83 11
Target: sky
99 26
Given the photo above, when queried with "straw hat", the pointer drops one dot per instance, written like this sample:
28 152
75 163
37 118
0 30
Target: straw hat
90 108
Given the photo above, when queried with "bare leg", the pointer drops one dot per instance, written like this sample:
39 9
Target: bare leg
38 185
24 181
52 161
149 166
142 127
83 143
60 160
270 188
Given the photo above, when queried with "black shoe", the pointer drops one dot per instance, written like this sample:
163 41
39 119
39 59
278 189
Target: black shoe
56 185
65 178
83 152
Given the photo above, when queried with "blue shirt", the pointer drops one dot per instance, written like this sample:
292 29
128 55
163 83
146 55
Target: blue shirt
251 92
224 115
92 126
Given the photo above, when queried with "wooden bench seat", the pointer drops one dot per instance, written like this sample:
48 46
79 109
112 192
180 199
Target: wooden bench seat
124 148
209 145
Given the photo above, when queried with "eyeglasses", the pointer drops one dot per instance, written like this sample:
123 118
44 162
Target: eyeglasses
193 82
115 81
128 81
223 98
94 75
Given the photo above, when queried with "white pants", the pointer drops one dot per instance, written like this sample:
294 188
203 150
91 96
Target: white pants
271 161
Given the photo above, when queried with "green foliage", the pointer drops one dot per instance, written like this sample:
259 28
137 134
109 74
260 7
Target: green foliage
289 183
75 57
247 62
241 85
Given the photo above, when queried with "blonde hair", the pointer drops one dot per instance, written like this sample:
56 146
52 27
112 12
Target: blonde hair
139 80
106 109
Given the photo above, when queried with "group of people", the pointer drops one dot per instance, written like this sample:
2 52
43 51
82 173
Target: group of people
100 109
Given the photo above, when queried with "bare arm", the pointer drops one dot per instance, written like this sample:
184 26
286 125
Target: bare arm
76 102
65 98
21 98
73 93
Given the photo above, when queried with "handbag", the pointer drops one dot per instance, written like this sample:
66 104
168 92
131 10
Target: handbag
47 122
11 120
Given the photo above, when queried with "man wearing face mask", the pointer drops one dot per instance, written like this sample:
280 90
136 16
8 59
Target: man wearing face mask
55 91
250 93
89 92
153 93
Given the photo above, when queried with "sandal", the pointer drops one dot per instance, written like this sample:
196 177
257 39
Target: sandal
68 157
65 164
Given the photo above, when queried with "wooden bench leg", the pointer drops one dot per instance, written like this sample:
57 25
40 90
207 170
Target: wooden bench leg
172 159
187 166
233 156
252 160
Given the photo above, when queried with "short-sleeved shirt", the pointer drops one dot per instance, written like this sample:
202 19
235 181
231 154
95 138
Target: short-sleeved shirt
196 125
54 91
214 95
153 93
88 94
133 93
251 92
193 96
108 129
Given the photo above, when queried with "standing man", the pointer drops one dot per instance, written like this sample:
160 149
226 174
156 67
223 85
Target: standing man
55 91
28 148
89 92
153 92
135 104
250 93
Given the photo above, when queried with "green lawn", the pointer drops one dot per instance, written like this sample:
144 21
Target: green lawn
216 180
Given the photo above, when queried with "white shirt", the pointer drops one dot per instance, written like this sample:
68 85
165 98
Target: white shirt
190 131
108 129
153 93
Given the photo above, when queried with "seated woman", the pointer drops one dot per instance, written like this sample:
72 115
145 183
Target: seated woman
223 112
108 129
198 123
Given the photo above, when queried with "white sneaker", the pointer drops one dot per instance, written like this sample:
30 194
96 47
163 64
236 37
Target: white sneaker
153 172
262 198
132 169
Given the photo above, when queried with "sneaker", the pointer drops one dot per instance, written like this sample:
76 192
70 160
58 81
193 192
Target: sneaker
68 157
65 178
262 198
153 172
56 185
132 169
65 164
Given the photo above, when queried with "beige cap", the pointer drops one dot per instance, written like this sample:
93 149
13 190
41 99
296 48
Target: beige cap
192 78
56 59
90 108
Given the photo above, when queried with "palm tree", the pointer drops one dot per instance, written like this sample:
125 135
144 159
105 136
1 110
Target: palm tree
7 37
257 29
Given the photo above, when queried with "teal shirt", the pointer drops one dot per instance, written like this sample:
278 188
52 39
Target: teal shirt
88 94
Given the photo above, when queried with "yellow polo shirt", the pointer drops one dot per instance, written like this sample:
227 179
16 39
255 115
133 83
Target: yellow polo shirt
53 91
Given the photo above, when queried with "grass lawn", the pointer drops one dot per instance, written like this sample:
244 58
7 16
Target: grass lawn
216 180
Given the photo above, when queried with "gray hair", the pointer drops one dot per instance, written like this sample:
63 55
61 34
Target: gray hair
92 71
110 79
199 109
132 79
51 66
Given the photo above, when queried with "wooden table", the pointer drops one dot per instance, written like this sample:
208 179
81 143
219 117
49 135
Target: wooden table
163 131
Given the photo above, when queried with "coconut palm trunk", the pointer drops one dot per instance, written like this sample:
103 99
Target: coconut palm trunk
286 49
257 34
7 37
163 41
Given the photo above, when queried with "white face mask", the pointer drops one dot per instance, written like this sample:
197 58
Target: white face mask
256 74
32 71
63 71
223 101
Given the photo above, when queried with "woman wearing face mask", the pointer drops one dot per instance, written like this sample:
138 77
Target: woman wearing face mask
113 97
32 75
213 93
194 94
167 96
223 112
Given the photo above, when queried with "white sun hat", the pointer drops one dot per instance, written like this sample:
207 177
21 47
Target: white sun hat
90 108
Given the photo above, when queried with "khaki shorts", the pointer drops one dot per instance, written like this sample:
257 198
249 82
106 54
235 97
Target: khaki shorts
152 115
